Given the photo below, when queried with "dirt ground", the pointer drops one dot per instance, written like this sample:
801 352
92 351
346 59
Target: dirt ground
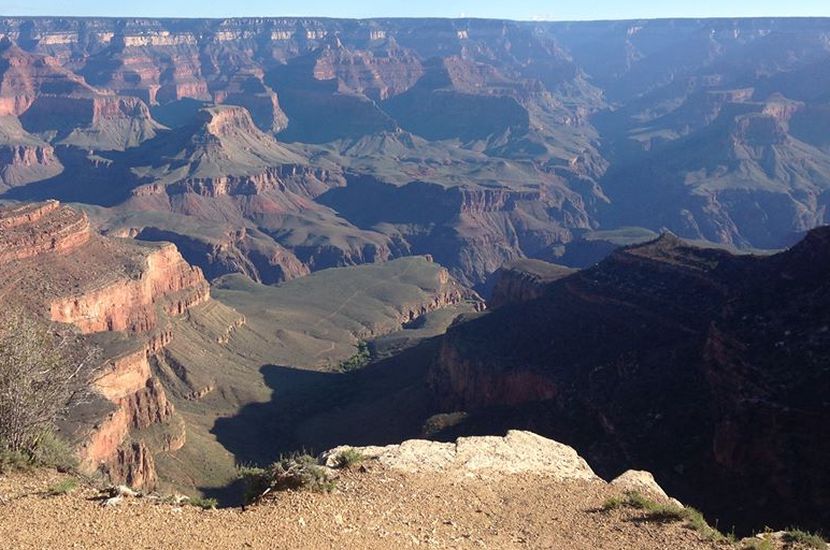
374 509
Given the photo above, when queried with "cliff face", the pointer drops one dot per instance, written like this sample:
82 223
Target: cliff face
241 251
61 231
701 366
524 280
167 281
105 286
516 116
24 163
473 231
101 122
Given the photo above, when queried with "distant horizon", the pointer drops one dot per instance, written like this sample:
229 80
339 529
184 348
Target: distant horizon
404 18
518 10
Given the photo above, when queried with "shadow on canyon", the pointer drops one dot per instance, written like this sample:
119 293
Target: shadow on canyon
312 411
85 180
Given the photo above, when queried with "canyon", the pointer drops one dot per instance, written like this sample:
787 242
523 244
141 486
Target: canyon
313 140
299 233
171 352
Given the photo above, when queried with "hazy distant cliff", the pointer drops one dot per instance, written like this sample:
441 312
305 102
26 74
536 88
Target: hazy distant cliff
480 142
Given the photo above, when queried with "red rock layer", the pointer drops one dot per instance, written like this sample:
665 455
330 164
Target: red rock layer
130 288
32 230
129 304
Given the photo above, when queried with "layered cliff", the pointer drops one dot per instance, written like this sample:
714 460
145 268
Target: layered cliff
130 305
121 294
588 119
24 158
31 230
471 230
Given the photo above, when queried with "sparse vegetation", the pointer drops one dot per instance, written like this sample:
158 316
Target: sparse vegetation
11 461
53 452
349 457
359 360
43 372
804 539
63 487
289 473
203 503
759 544
666 512
50 451
613 503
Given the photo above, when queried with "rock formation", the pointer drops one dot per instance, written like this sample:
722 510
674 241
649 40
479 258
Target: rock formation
517 452
524 280
55 265
691 362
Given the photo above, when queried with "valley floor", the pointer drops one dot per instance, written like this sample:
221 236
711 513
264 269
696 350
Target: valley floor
375 508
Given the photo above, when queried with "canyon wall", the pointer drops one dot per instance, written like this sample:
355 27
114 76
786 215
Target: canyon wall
703 366
103 286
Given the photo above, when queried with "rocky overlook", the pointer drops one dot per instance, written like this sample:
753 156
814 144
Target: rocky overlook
514 499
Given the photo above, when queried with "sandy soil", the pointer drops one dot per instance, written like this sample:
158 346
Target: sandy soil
374 509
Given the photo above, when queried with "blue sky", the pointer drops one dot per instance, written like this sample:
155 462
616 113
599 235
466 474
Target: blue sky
510 9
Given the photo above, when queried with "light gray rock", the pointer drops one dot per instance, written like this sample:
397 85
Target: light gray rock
517 452
112 501
642 482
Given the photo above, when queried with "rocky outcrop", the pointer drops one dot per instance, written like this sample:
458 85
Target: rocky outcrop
518 452
25 163
130 305
247 89
35 229
139 402
524 280
242 251
100 122
133 465
639 481
515 453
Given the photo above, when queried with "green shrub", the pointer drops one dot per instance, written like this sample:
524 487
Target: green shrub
44 371
349 457
804 538
62 487
613 503
294 472
759 544
203 503
13 461
359 360
51 451
48 451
